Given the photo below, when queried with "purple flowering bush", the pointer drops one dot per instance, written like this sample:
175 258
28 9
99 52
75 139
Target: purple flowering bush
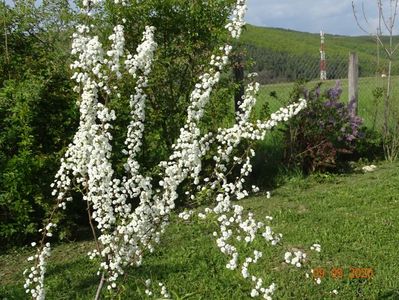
322 136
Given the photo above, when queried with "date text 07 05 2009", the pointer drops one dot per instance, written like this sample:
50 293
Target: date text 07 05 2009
338 273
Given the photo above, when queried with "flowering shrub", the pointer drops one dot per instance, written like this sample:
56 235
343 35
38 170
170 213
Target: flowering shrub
126 231
317 139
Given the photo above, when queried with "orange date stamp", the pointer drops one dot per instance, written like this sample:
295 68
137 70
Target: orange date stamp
338 273
356 273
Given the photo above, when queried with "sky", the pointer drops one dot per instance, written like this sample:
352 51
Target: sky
331 16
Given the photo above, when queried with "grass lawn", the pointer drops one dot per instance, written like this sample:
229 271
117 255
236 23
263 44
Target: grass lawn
353 217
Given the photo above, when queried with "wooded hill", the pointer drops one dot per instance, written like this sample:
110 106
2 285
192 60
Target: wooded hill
285 55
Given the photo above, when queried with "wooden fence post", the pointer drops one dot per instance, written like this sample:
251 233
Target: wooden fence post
353 79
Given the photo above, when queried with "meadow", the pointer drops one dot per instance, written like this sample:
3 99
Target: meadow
353 218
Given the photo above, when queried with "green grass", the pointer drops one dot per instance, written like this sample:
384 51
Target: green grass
353 217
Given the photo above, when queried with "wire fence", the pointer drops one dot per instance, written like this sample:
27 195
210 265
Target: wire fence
279 73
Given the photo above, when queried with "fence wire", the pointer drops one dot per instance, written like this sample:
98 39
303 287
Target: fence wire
279 73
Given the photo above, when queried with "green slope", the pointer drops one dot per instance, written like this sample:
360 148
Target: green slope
282 55
296 42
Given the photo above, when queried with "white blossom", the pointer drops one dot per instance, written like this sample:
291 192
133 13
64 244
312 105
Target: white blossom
126 233
316 247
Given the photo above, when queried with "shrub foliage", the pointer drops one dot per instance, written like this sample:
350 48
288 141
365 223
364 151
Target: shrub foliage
321 137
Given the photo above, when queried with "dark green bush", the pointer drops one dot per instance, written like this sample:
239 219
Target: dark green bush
38 115
37 121
369 146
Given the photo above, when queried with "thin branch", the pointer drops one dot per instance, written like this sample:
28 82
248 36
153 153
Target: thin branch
364 14
93 230
379 30
383 46
395 14
357 19
381 13
396 48
100 287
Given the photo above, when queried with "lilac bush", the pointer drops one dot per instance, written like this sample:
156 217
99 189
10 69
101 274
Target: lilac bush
317 138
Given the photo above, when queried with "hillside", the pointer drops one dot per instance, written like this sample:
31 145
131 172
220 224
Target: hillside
285 55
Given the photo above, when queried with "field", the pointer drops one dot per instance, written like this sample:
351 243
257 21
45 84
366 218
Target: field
353 217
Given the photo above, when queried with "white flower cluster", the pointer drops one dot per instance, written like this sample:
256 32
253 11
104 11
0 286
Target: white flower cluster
117 50
34 282
87 160
76 161
238 22
142 60
370 168
296 258
185 215
147 222
164 292
316 247
205 214
249 260
259 290
147 291
234 226
125 233
90 55
121 243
